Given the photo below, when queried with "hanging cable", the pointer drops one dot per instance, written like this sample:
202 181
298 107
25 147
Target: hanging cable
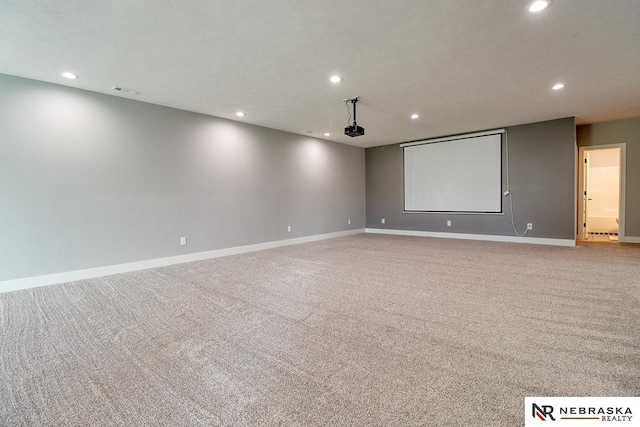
508 191
346 103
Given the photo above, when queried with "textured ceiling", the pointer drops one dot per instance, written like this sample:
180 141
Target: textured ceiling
462 65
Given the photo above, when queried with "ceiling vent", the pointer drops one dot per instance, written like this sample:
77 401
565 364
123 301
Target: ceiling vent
125 90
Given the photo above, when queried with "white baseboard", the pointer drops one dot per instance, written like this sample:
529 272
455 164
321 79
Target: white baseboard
630 239
71 276
488 237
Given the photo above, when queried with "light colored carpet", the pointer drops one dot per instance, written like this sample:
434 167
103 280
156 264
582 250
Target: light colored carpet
362 330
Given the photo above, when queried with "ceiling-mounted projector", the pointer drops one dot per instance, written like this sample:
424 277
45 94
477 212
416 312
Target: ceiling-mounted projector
353 130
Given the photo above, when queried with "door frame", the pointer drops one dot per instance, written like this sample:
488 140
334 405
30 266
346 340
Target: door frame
581 186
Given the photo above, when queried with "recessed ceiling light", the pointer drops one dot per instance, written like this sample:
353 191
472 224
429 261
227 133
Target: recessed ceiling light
335 79
558 86
539 6
68 75
414 116
327 134
240 114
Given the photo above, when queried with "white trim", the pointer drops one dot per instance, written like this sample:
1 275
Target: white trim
576 174
71 276
487 237
453 213
454 137
630 239
623 185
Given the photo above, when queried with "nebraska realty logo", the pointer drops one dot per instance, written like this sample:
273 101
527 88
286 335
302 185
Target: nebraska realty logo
543 413
582 411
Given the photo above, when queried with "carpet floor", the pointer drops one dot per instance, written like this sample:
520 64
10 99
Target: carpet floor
365 330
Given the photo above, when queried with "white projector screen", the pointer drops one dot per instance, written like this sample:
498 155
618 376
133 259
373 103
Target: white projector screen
460 175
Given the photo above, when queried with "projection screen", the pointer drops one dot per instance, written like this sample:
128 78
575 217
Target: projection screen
455 175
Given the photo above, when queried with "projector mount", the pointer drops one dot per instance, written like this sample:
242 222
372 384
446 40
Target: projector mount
353 130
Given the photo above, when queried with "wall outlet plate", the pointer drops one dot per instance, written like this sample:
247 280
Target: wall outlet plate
529 226
349 222
449 223
383 220
288 229
183 241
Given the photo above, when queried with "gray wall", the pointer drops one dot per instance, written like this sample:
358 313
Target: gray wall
627 131
89 180
542 170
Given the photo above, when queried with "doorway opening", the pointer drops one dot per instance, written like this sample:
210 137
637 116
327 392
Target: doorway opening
602 178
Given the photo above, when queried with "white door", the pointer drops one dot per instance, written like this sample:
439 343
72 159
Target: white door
585 205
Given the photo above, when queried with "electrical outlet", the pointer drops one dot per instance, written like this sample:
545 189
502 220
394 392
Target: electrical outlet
448 223
183 241
383 220
288 229
529 226
349 222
